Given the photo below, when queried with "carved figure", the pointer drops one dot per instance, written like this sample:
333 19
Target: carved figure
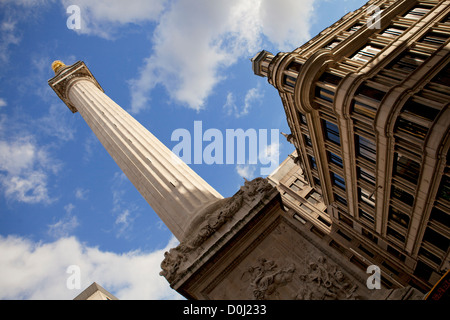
266 278
323 281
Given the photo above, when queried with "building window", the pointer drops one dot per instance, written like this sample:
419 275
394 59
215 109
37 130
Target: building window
390 268
294 66
302 118
354 28
417 13
324 94
401 195
307 140
366 251
369 236
337 246
436 239
331 132
411 128
345 220
330 78
366 175
335 159
367 197
330 45
338 198
396 253
406 168
435 38
443 77
366 53
337 180
420 110
423 271
365 148
370 93
359 263
313 197
289 81
312 162
393 32
366 216
395 234
398 217
444 189
294 187
324 221
300 183
364 109
344 235
427 254
407 62
439 216
316 181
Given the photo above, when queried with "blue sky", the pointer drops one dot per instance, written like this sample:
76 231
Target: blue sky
63 200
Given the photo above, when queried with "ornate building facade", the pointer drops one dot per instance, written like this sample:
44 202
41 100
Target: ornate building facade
367 102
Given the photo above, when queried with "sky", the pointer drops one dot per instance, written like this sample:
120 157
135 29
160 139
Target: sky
64 203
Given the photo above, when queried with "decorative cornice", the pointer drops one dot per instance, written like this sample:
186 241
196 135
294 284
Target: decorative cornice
66 76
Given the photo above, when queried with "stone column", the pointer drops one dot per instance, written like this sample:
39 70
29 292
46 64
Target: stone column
174 191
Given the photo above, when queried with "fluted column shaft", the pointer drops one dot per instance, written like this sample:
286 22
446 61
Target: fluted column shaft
174 191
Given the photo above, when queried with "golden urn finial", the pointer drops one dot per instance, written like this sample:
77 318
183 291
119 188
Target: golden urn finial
56 65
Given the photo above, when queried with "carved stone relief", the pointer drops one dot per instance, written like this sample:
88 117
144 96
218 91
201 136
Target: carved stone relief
266 277
325 281
319 280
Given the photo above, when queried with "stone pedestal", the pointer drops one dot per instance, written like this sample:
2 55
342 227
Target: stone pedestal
249 248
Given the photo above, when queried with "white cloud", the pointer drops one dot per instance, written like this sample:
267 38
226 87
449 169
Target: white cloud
230 105
124 211
57 123
252 96
38 270
26 3
124 222
14 12
81 193
194 42
23 171
3 103
8 36
286 23
65 226
103 17
270 153
246 171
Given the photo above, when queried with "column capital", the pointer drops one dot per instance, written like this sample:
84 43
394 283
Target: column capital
65 76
